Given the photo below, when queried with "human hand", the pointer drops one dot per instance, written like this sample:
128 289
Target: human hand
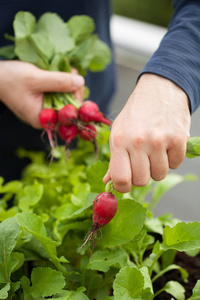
22 87
150 134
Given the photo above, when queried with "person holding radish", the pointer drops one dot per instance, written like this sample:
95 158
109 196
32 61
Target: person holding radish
149 135
22 85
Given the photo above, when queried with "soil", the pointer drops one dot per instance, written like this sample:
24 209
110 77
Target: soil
191 265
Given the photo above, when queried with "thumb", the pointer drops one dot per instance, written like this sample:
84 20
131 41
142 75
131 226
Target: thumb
107 177
53 81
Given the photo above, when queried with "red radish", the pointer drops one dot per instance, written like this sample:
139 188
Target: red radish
104 209
88 132
89 112
68 133
67 115
48 119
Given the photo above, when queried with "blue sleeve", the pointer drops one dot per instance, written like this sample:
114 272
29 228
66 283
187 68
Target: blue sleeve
178 56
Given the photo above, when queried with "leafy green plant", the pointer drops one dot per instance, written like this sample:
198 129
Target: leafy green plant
41 233
52 44
46 215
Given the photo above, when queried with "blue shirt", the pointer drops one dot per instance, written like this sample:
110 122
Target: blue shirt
178 56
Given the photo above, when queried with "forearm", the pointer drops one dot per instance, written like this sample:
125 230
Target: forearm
178 56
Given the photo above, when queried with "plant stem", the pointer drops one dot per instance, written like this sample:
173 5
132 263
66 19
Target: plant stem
155 260
109 187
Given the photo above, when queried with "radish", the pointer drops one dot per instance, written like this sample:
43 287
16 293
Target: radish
104 209
88 132
48 119
89 112
68 115
68 133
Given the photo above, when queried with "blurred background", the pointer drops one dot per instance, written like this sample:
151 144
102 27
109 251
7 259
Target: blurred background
137 28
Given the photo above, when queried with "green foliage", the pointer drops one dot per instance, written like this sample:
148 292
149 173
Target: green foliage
49 40
151 11
52 44
42 233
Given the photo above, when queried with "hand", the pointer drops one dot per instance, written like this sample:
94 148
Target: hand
22 86
150 134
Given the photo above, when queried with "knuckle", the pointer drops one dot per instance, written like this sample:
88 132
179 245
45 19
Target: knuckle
121 181
140 182
157 141
116 138
176 141
122 184
139 141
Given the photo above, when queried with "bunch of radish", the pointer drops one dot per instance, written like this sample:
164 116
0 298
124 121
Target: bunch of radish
70 122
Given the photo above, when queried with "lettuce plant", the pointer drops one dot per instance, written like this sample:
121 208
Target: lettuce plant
41 233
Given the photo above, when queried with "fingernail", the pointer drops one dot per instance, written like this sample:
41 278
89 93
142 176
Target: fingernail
78 81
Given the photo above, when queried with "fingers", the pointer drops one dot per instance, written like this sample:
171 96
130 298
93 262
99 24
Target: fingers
119 171
159 165
144 160
58 82
176 153
140 168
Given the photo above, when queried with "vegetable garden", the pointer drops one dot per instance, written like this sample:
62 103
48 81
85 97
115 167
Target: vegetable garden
54 240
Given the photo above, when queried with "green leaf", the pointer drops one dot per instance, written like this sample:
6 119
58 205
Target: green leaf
182 237
19 257
42 46
14 287
79 226
24 24
71 295
130 284
81 27
196 291
4 290
138 246
95 173
46 282
33 224
175 289
127 223
30 196
8 213
193 146
183 272
103 260
92 54
101 56
26 51
52 27
79 195
60 63
9 233
12 187
65 211
7 52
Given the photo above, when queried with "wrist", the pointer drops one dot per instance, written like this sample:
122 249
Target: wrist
168 89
